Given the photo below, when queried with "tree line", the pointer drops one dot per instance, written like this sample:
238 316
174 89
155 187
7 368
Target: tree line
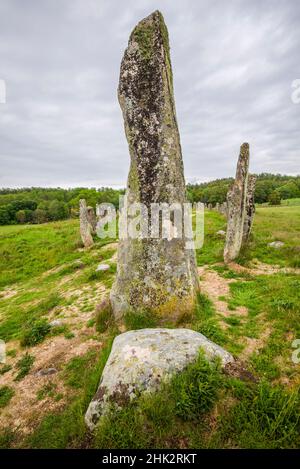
270 188
40 205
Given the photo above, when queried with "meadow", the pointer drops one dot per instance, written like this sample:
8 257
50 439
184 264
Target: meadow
49 292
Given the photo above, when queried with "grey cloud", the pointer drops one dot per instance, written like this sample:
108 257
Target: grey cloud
233 65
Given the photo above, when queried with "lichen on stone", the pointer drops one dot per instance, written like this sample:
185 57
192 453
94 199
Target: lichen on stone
156 176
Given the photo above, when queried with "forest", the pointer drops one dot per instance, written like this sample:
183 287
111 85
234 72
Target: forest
40 205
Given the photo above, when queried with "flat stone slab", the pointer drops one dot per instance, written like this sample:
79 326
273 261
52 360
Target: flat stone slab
140 360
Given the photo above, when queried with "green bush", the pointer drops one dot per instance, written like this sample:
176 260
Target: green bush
35 332
139 319
196 389
24 365
6 393
104 317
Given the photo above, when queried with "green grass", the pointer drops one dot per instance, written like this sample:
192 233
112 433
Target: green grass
277 297
139 320
200 407
206 321
29 250
35 332
250 416
67 428
24 365
212 249
275 224
153 419
4 369
19 314
6 393
104 317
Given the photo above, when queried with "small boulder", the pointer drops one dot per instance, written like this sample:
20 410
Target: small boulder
56 323
102 267
78 264
46 372
276 244
221 233
140 360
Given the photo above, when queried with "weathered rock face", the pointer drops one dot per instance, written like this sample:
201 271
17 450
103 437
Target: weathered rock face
223 209
141 360
86 228
92 219
156 274
250 208
236 207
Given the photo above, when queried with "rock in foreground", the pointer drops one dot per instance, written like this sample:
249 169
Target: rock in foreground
140 360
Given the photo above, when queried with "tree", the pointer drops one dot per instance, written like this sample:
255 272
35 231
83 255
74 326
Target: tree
39 216
274 198
21 216
58 210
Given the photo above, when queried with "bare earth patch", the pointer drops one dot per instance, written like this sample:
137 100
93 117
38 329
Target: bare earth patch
25 411
259 268
215 286
255 345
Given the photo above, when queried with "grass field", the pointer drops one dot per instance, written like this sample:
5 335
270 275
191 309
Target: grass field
252 310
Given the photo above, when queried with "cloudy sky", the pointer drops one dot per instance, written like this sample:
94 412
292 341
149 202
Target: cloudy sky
233 62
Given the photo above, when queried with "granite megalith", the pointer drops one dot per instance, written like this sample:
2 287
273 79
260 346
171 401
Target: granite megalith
236 207
86 228
250 208
153 273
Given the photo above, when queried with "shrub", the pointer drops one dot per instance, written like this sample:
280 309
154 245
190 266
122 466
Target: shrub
6 393
35 332
24 365
196 389
104 316
5 369
139 319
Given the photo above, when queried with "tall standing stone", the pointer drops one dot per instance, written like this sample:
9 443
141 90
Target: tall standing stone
92 219
236 205
250 208
86 228
157 274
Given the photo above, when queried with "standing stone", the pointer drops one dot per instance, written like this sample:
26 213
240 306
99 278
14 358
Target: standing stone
236 203
223 209
250 208
154 274
86 228
92 219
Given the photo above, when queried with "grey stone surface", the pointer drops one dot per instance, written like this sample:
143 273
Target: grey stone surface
157 274
141 360
236 204
46 372
56 323
102 267
276 244
92 219
86 228
250 208
221 233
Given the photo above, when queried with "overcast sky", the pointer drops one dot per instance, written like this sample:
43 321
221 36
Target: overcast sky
233 64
